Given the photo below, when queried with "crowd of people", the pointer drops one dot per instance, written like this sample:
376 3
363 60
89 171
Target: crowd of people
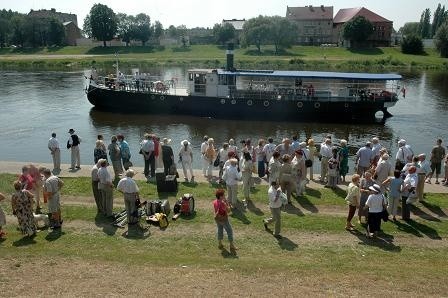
377 184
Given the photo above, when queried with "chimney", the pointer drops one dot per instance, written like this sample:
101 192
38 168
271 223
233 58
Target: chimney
229 54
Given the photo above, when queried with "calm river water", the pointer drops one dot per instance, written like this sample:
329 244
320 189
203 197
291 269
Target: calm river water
33 104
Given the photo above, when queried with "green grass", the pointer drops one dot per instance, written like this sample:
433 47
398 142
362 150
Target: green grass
297 57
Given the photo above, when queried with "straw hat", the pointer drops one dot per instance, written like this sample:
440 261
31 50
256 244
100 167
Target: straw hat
375 188
166 141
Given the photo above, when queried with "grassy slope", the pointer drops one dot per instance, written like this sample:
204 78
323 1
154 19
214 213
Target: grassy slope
210 55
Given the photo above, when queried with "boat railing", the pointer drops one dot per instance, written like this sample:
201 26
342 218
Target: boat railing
128 83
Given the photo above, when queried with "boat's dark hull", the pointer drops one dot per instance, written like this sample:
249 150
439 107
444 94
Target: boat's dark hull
226 108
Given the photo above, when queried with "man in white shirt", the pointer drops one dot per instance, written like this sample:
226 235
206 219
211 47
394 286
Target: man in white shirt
52 186
130 190
325 154
95 190
423 173
231 176
268 150
205 162
376 147
275 204
73 143
55 151
404 155
105 187
147 150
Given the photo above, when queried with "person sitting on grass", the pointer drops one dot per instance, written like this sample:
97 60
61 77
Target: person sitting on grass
221 214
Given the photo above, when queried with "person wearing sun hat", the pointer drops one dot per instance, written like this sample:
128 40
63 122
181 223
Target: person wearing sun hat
375 203
186 159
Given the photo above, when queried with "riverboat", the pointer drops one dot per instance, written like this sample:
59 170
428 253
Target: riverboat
272 95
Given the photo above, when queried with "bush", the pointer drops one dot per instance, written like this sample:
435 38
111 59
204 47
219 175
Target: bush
412 45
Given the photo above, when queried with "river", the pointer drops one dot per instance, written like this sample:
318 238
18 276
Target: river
33 104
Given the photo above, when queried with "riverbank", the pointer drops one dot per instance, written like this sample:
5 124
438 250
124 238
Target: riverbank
316 256
297 57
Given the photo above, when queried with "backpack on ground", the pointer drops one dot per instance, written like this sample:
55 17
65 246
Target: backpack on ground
184 206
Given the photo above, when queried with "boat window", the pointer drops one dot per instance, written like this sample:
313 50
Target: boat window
190 76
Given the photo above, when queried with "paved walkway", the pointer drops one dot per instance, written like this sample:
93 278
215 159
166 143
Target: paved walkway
14 167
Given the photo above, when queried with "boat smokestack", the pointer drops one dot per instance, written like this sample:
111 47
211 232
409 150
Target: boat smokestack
229 54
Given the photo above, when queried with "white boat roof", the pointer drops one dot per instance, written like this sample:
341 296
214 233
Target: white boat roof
312 74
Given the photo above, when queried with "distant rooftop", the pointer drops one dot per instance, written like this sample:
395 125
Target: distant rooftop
61 16
237 24
346 14
310 13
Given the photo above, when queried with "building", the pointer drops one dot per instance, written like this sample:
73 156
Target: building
52 13
382 28
72 33
315 24
237 24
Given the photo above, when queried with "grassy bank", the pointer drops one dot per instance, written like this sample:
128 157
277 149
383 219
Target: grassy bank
297 57
316 254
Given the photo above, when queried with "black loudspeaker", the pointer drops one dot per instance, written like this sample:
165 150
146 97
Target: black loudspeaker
166 183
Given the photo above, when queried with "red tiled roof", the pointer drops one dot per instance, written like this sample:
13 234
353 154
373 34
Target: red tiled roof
310 13
346 14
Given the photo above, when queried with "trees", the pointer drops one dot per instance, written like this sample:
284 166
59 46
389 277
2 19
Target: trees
357 31
125 27
142 27
256 31
424 27
158 30
56 33
412 45
441 39
223 33
283 32
410 28
102 22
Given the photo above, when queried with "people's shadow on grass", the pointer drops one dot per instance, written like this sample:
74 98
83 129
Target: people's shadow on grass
254 209
137 232
306 204
238 213
422 214
286 244
54 235
24 241
313 192
434 208
106 224
291 209
424 229
383 241
228 254
407 228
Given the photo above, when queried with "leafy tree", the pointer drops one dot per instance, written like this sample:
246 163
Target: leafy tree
172 32
182 33
142 27
56 32
86 28
425 25
412 45
441 39
358 30
410 28
223 33
158 30
125 26
283 32
256 31
5 30
102 22
36 31
18 30
440 16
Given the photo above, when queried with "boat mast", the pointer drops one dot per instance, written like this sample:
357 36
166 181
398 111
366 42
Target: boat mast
116 65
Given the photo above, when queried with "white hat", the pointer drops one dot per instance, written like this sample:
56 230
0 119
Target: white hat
185 143
376 188
166 141
402 142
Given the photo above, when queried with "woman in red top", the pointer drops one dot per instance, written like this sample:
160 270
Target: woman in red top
221 212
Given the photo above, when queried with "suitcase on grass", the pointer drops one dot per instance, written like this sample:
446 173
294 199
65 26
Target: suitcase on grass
158 206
